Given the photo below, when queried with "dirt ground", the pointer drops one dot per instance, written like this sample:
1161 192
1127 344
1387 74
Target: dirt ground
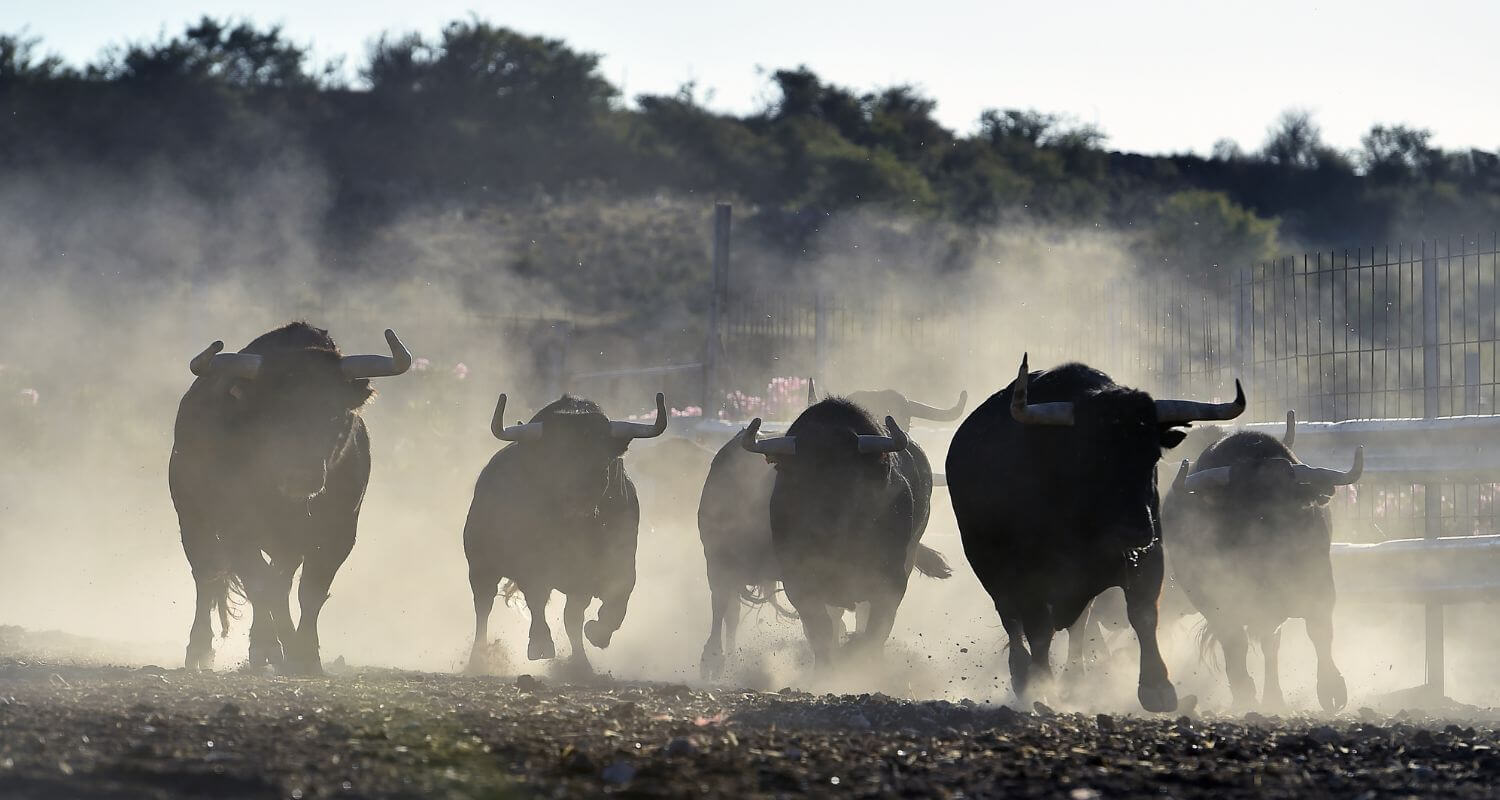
69 729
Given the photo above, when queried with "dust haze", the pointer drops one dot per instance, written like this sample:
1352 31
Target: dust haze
111 283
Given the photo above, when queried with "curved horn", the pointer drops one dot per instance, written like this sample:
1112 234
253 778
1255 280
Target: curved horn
812 393
1035 413
1291 428
399 361
779 446
1207 479
525 432
640 430
236 365
895 442
1169 411
915 409
1180 481
1332 477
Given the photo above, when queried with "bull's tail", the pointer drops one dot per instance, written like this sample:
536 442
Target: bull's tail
766 593
1208 652
508 591
229 595
932 564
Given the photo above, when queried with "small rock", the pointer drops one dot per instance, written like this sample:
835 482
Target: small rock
618 772
527 683
681 746
1368 714
1042 709
1106 723
1324 734
152 669
624 710
230 710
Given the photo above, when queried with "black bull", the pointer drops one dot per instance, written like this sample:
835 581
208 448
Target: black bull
555 510
271 458
847 508
1053 482
1248 531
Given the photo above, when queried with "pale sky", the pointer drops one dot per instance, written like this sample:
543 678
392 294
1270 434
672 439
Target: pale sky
1156 76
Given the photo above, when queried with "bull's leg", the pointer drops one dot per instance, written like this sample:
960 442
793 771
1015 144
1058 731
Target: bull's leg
721 597
1332 693
881 617
573 611
265 648
200 649
484 587
732 623
1039 633
862 611
1155 690
539 644
280 608
1236 646
1078 633
817 624
312 593
1270 649
1019 657
612 607
260 587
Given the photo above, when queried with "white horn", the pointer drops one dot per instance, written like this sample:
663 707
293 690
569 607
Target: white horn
212 361
779 446
1170 411
1332 477
1208 479
893 443
1035 413
640 430
525 432
399 361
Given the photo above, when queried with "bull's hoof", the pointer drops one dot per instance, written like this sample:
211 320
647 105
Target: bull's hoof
1158 699
1333 694
263 655
478 664
711 666
1273 702
540 648
597 633
575 668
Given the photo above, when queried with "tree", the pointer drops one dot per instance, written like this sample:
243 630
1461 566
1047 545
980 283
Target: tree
1398 152
1197 233
19 60
214 52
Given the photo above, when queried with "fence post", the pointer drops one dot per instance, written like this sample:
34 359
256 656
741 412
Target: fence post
820 335
1432 491
713 347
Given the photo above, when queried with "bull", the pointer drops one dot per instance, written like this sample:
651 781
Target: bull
844 511
1248 531
734 525
1053 483
555 510
270 458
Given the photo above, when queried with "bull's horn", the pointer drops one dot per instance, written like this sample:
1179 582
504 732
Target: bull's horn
1170 411
1332 477
895 442
640 430
399 361
1291 428
1207 479
779 446
1180 481
915 409
524 432
236 365
812 393
1036 413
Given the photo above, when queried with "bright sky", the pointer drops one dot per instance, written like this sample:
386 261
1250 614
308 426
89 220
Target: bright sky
1156 76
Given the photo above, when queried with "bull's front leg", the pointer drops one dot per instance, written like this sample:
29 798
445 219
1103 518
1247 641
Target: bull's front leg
1333 694
312 592
484 587
539 643
1142 592
573 610
200 649
611 614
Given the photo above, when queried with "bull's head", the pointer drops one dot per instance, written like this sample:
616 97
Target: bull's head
1120 435
576 446
1265 477
295 407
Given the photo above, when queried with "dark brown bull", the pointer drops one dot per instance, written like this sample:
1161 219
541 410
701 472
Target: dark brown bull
1248 532
554 510
270 458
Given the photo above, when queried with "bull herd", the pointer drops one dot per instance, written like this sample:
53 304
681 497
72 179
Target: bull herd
1052 482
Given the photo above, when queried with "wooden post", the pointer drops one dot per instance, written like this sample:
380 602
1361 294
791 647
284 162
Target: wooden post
713 348
1433 491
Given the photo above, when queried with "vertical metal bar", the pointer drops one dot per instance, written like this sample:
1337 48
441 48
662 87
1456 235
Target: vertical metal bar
713 347
1432 491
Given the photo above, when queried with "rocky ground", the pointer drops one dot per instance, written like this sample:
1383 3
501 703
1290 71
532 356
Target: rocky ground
73 730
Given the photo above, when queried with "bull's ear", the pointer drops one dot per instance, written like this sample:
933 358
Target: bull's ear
1171 437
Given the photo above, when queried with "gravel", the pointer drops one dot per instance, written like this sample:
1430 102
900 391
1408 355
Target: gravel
70 730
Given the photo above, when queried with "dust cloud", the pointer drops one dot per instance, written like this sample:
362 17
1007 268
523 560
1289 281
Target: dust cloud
111 283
